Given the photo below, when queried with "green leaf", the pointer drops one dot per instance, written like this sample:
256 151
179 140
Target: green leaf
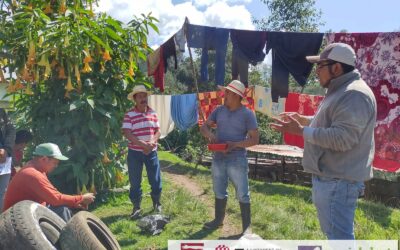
113 35
94 127
90 102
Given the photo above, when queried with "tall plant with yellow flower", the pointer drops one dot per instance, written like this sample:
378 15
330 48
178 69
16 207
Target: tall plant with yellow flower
70 71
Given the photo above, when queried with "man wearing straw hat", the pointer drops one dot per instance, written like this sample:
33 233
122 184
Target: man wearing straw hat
237 127
142 129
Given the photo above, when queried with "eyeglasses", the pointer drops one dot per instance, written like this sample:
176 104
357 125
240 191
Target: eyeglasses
319 66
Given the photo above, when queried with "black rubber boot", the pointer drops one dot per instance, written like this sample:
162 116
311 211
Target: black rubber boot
246 217
136 213
220 205
156 203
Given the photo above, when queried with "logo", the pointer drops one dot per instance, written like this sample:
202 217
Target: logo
309 248
192 246
222 247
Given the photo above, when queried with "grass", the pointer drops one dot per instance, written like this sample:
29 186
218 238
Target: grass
279 211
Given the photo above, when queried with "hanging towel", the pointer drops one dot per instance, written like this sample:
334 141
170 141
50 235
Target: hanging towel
289 50
155 68
168 51
305 105
264 104
247 47
180 40
378 62
208 101
162 105
184 110
210 38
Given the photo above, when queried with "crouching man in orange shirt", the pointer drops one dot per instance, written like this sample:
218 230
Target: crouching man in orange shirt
31 183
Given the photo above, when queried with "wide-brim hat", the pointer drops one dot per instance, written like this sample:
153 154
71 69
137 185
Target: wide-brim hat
339 52
236 87
138 89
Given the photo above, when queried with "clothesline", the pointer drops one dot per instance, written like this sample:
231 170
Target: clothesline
378 57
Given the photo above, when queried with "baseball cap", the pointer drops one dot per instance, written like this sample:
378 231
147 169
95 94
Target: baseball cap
339 52
51 150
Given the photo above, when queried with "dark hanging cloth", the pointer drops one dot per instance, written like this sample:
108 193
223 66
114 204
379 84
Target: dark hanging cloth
247 47
209 38
169 50
289 50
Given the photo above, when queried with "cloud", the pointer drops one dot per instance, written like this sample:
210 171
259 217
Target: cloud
216 13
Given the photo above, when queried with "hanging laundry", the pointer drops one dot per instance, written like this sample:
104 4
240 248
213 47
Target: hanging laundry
180 40
378 62
208 101
162 105
247 47
184 110
209 38
168 51
155 68
264 104
305 105
289 50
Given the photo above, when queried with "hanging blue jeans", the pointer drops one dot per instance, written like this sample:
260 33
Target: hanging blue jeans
136 159
336 202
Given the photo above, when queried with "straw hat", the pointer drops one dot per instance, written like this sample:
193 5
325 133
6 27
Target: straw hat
138 89
236 87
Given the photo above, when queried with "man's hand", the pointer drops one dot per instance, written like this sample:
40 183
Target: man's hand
87 199
291 126
3 155
147 147
231 146
303 120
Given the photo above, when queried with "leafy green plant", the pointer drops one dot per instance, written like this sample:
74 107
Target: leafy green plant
70 73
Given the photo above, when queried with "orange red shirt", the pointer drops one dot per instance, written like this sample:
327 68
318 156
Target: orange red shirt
31 184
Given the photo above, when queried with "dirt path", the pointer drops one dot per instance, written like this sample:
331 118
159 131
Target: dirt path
195 189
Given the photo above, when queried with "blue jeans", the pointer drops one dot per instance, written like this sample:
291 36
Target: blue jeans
234 168
4 179
136 159
336 202
62 211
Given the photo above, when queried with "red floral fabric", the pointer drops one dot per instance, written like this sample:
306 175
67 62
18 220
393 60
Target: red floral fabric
378 60
305 105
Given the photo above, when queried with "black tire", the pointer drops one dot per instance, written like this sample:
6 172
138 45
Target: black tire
29 225
87 232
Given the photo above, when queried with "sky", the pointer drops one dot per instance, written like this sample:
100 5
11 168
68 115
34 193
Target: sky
351 15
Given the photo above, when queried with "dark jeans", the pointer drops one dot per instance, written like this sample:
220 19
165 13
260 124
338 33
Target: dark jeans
62 211
136 159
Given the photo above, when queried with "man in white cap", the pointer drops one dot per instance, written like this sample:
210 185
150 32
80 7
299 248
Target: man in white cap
31 183
142 129
237 127
338 140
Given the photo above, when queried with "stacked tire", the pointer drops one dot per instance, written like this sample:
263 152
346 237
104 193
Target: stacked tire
29 225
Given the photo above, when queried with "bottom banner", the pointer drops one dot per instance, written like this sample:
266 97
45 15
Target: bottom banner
283 245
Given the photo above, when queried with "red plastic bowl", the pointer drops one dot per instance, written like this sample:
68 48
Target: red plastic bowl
217 147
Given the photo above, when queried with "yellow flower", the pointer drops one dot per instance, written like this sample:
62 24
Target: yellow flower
87 68
41 40
93 189
14 3
28 90
11 88
105 159
47 71
61 73
66 95
18 85
30 6
31 53
37 75
69 86
78 77
131 72
88 58
62 8
43 61
48 9
106 56
144 45
102 68
2 78
119 176
84 190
